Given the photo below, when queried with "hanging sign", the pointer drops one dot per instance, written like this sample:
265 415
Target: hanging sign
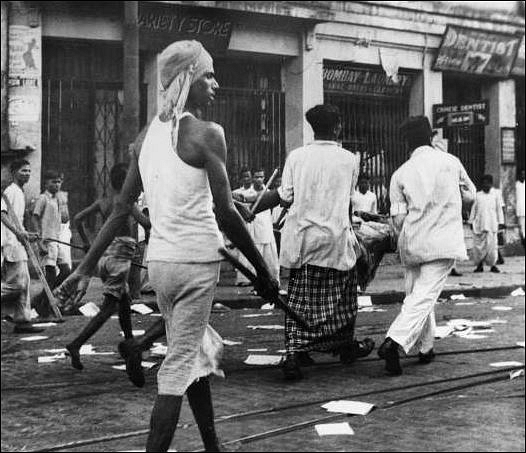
477 52
161 24
364 81
473 114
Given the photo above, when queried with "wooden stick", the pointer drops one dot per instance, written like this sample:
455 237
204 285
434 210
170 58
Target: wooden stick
34 261
260 196
276 299
133 263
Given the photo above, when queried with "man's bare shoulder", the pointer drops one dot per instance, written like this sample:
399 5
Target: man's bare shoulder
208 135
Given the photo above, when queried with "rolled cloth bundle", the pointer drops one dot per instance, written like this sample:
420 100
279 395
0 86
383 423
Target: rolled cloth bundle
181 63
375 239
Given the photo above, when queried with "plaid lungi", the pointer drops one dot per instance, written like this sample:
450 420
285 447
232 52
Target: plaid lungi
327 300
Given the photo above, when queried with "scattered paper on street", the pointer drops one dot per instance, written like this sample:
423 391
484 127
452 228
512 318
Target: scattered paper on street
465 303
506 364
56 351
51 358
516 374
256 315
457 297
365 301
267 307
520 343
473 336
156 315
443 331
33 314
159 349
45 324
501 308
148 365
135 333
254 359
142 309
267 327
34 338
258 350
459 324
349 407
230 342
498 321
517 292
89 310
334 429
119 367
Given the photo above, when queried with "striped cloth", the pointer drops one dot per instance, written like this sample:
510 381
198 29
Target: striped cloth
327 299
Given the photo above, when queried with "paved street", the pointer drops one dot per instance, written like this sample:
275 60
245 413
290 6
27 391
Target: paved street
51 404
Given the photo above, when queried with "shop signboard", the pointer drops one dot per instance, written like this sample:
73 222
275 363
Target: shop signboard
161 24
519 66
340 77
472 114
477 52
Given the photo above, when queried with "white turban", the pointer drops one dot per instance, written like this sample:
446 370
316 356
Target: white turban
181 64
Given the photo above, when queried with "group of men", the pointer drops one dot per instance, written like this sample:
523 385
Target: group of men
179 163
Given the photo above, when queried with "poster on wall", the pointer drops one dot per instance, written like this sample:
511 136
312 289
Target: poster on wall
477 52
472 114
24 52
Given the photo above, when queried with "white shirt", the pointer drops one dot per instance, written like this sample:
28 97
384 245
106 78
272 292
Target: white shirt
179 199
364 202
319 179
519 191
263 231
250 193
427 189
486 213
12 249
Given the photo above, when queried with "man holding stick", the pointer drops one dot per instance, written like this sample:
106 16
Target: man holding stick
318 245
182 168
15 290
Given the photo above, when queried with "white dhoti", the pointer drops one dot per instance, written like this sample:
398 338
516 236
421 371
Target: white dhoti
415 325
522 225
64 251
269 252
485 248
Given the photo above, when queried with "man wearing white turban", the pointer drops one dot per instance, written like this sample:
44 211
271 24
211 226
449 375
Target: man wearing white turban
180 163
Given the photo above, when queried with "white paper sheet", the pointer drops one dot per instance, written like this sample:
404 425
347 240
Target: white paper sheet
258 350
505 364
34 338
159 350
334 429
474 336
156 315
45 324
256 315
89 310
56 351
365 301
517 292
148 365
268 327
267 307
51 358
230 342
458 297
254 359
501 308
516 374
349 407
520 343
135 333
142 309
465 303
443 331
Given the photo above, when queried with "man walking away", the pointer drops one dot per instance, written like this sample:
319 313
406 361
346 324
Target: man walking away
426 207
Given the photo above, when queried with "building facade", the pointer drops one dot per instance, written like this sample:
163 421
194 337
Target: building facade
80 79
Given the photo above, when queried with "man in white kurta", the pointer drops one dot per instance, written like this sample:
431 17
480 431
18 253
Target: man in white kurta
426 208
486 216
519 208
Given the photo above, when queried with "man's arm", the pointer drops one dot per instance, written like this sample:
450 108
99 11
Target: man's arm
270 199
230 222
398 204
20 235
140 217
78 220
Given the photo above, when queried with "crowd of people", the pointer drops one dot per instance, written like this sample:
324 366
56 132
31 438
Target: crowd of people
304 223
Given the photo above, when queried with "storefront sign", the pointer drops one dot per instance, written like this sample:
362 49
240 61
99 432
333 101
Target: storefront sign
519 66
507 136
160 25
350 80
477 52
474 114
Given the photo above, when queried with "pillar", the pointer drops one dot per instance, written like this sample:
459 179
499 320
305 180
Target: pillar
130 113
303 84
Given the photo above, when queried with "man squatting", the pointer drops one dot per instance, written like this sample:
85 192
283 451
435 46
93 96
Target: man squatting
181 165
